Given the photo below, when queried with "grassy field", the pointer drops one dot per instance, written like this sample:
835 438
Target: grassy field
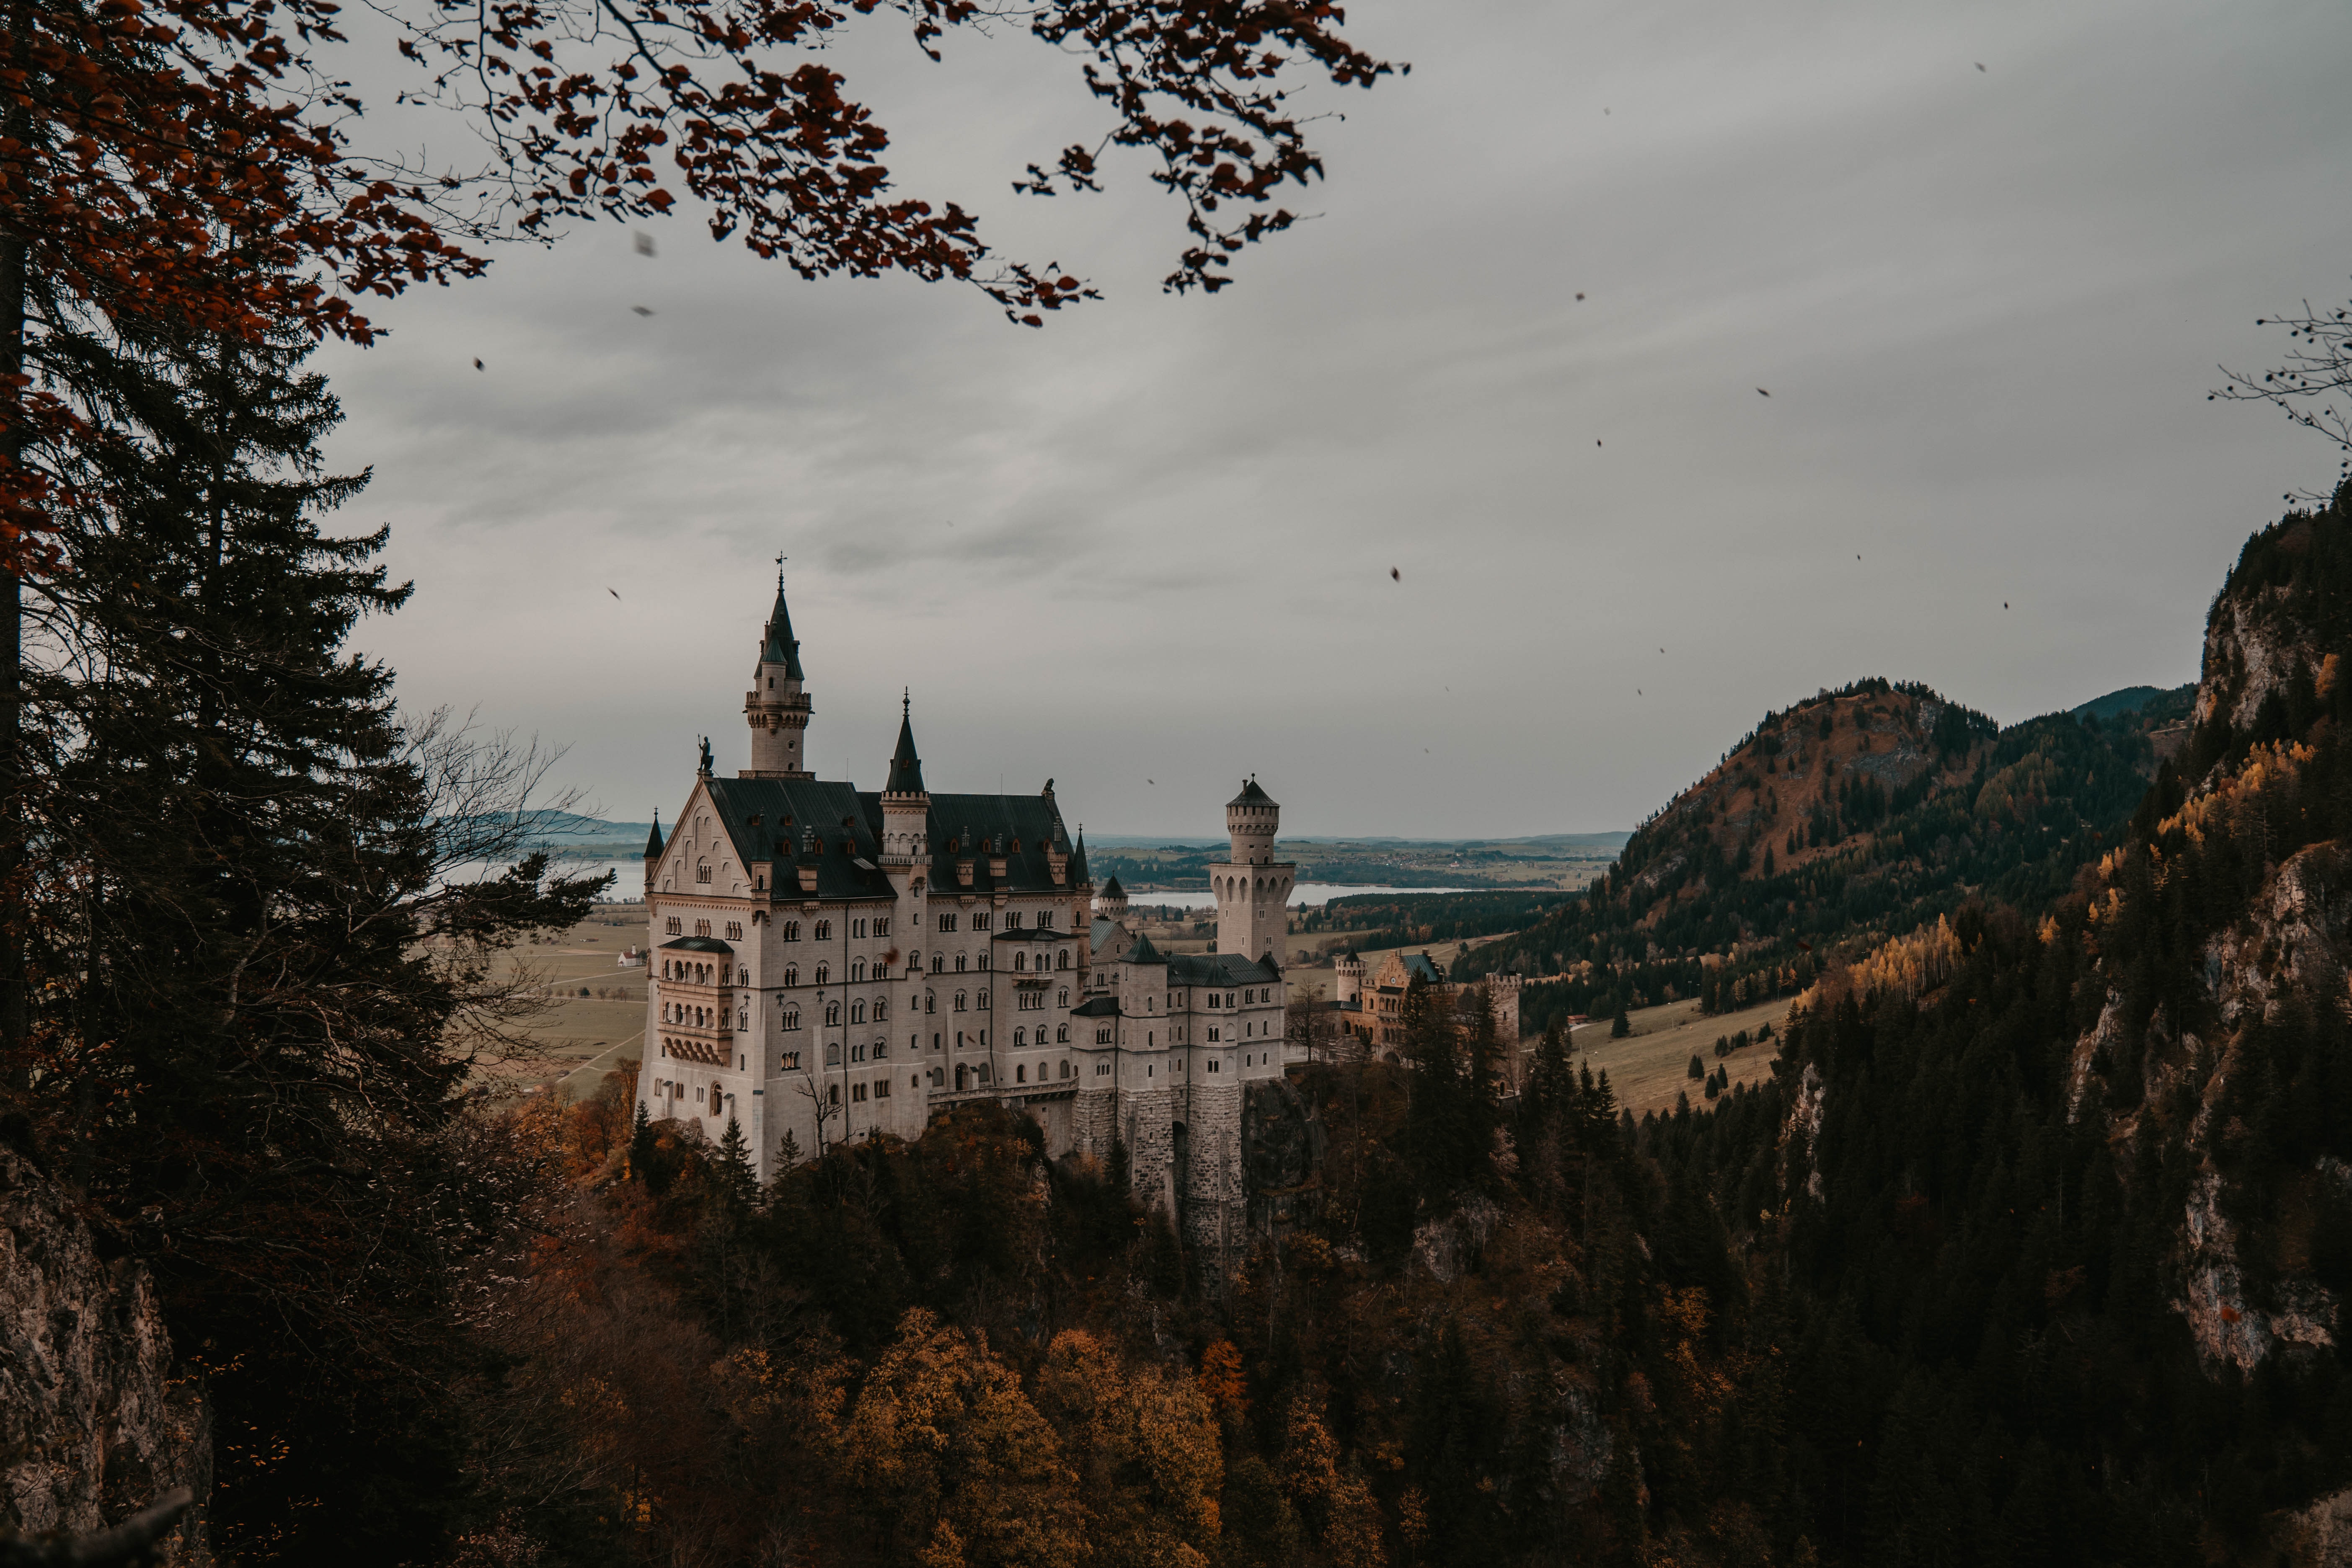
579 1038
1651 1065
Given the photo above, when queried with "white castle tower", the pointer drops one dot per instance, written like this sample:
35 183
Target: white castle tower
776 708
1253 887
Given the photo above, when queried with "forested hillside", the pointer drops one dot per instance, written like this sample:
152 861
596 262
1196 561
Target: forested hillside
1834 824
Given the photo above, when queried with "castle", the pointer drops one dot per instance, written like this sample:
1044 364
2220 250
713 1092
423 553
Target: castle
827 962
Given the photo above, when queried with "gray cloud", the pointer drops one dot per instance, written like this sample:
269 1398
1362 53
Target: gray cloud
1986 305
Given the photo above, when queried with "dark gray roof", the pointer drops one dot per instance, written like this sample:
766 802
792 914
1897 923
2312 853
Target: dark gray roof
1142 952
1078 862
842 821
1218 969
1251 795
1035 933
1111 889
1096 1007
780 647
1028 820
906 767
654 839
1419 967
699 944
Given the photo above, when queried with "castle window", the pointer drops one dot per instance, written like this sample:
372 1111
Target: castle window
983 1001
882 927
824 930
939 962
1066 1071
1213 999
984 958
930 1003
1066 959
824 973
1213 1064
958 1001
792 930
881 1048
1020 962
1062 1036
857 927
881 1089
858 1053
1020 1072
881 1008
1020 1039
1012 917
832 1014
857 1012
961 960
702 927
791 974
856 1092
702 872
981 922
1212 1034
947 922
1044 919
1102 1035
789 1062
793 1021
735 930
1062 998
857 970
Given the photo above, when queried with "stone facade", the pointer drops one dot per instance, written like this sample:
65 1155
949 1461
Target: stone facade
1370 1006
829 963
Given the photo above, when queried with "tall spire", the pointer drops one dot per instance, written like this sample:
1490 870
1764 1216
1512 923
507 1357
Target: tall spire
780 647
654 839
906 767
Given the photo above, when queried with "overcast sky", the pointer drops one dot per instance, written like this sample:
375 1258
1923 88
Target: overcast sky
1153 542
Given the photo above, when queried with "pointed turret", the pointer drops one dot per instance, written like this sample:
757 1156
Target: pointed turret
654 839
1079 861
776 708
906 767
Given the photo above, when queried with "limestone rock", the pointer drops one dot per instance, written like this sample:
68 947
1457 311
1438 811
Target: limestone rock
93 1427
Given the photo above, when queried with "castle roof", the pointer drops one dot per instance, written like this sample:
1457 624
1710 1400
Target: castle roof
1142 952
1251 795
698 944
1096 1007
906 767
780 645
1079 861
1419 967
1218 969
1111 889
654 839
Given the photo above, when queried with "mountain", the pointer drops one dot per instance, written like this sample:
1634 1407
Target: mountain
2156 703
1847 818
2054 1198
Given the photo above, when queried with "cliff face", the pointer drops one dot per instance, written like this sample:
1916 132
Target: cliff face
92 1424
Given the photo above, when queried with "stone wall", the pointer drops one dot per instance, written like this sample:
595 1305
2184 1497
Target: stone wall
92 1426
1146 1121
1214 1195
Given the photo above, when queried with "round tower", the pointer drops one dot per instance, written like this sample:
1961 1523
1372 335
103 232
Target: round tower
1251 818
776 707
1253 887
1348 983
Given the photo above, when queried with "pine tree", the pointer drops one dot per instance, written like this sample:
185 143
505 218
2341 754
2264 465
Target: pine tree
1620 1025
238 849
641 1144
738 1183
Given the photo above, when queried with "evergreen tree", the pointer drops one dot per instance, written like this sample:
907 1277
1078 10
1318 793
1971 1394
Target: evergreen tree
239 1032
641 1144
737 1182
1620 1025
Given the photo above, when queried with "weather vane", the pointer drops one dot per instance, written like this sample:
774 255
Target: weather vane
779 570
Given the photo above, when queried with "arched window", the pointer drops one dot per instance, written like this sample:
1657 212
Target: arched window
857 1012
857 970
1021 1073
1066 960
824 973
1020 1039
1064 998
983 1002
962 959
743 976
1065 1066
881 1008
824 930
833 1094
1062 1037
792 1017
930 1003
791 974
832 1014
958 1001
1020 962
792 930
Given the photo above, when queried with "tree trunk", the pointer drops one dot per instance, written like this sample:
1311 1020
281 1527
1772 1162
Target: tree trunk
13 283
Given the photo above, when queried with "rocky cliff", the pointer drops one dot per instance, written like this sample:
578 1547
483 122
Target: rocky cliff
93 1424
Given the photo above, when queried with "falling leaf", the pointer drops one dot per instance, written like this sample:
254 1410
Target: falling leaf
478 364
614 592
641 310
1395 575
645 243
1579 296
1981 65
1761 393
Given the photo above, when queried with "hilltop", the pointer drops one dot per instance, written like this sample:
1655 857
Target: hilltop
1843 819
